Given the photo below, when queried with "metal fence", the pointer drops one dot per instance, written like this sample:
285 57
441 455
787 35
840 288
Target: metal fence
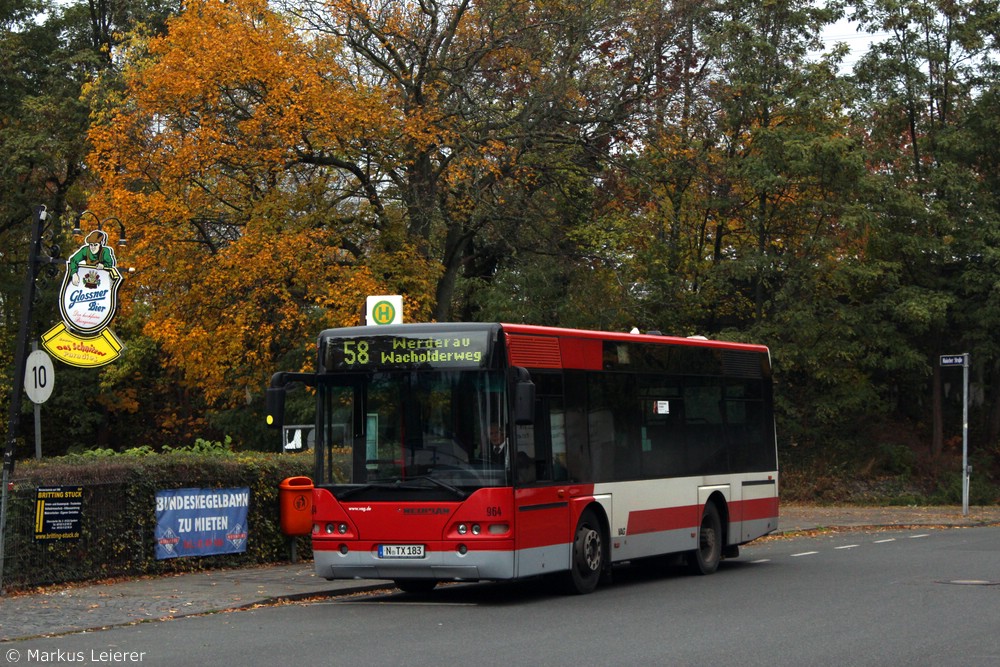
117 521
107 545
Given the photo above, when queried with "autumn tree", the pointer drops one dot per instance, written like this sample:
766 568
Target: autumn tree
400 147
48 53
926 85
244 249
740 209
498 105
740 167
45 59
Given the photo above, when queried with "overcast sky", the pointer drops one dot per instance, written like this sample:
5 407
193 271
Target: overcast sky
847 31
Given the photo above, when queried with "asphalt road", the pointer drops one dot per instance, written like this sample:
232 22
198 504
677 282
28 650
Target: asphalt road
874 597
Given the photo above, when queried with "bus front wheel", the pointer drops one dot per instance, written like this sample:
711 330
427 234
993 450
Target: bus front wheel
587 562
705 558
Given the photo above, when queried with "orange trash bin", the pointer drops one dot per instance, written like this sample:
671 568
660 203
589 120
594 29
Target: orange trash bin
295 505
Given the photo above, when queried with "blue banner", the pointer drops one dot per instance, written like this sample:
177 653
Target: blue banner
201 522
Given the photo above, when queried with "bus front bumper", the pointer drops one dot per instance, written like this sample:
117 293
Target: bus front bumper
441 562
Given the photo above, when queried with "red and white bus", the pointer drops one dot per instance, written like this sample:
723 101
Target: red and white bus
612 447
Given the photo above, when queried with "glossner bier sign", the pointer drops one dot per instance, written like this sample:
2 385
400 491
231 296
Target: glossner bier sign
88 302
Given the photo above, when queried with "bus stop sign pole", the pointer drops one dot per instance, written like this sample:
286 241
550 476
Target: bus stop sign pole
963 361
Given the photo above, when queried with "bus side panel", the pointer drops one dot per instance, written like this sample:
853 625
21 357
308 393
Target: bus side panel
759 510
659 516
651 517
544 524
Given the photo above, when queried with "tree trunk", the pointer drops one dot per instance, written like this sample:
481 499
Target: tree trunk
455 247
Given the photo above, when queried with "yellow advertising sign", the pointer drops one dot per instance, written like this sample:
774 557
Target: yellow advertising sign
81 352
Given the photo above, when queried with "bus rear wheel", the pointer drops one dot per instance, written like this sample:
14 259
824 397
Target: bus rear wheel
415 585
587 562
705 558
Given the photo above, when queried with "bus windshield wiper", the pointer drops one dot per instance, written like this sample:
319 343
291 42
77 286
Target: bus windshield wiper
381 484
401 484
444 485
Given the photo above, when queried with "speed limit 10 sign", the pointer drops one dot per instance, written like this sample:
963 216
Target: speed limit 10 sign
39 376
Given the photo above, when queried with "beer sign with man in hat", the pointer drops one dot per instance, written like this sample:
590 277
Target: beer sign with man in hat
88 302
90 289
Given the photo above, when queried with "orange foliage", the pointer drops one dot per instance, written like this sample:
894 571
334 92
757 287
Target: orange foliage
239 243
254 300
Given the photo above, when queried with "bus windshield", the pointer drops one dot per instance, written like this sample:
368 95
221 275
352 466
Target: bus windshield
435 429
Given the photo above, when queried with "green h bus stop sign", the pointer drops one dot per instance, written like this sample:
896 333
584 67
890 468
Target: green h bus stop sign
382 310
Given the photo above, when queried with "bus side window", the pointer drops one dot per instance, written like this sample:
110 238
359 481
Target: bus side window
578 458
525 468
557 433
663 444
663 451
546 460
706 438
746 429
614 426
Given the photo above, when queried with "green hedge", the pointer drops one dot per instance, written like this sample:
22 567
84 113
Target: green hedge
119 512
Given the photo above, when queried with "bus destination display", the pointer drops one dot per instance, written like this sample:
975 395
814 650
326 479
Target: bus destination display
387 352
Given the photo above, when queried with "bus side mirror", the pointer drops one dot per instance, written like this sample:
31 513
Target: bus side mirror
275 398
524 399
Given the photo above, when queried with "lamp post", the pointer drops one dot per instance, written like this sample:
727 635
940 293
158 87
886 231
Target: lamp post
20 363
77 231
20 355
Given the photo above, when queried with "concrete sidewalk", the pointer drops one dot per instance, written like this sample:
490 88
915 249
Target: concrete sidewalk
77 607
796 517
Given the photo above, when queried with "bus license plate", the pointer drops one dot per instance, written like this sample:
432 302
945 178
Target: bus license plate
400 551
